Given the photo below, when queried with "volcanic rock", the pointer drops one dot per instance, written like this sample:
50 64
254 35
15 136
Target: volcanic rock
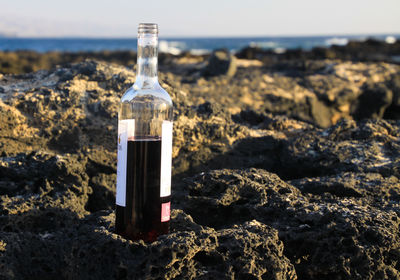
221 62
261 189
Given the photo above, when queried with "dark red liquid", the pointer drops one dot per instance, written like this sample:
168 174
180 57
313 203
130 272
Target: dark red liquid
141 218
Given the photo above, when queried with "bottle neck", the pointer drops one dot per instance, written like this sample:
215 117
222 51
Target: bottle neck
147 51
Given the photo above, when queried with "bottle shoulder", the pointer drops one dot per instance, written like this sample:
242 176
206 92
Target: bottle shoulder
152 94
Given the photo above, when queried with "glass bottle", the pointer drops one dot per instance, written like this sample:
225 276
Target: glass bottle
143 197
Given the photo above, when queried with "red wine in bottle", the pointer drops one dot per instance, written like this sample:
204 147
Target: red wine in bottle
143 199
146 215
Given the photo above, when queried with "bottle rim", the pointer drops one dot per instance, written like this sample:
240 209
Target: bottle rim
148 28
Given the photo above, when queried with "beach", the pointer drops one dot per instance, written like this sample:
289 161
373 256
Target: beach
286 164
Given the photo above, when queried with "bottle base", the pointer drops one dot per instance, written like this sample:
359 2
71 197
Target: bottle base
133 232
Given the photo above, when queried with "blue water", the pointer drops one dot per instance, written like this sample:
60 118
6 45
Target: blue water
176 45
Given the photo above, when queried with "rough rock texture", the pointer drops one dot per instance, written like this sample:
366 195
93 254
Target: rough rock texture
256 194
221 62
334 233
320 86
322 93
88 249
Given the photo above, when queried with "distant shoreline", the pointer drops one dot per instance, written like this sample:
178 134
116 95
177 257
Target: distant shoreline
210 37
176 45
172 54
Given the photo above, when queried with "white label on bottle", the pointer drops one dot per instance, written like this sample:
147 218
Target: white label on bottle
166 159
126 129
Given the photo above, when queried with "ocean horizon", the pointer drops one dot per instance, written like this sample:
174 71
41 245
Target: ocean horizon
177 45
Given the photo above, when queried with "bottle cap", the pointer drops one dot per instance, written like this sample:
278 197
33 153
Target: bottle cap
148 28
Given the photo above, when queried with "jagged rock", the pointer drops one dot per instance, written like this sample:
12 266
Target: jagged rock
248 250
370 50
372 186
333 212
373 102
332 233
393 111
221 62
347 146
323 93
42 180
251 53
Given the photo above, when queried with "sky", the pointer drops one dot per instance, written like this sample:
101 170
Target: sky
208 18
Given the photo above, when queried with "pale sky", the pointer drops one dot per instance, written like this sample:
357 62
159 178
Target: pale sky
120 18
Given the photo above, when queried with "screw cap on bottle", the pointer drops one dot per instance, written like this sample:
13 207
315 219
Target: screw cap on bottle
148 28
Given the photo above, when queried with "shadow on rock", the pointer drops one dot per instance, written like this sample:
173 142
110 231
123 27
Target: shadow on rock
367 146
325 236
250 250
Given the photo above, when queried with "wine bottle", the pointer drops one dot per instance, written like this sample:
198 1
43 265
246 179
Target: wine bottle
143 197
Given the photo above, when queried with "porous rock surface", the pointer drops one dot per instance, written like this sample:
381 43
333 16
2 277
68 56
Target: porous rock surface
256 195
321 92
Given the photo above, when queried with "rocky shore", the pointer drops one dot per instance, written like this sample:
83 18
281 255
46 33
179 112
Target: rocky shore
286 169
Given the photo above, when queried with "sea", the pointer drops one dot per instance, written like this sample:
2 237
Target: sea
201 45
